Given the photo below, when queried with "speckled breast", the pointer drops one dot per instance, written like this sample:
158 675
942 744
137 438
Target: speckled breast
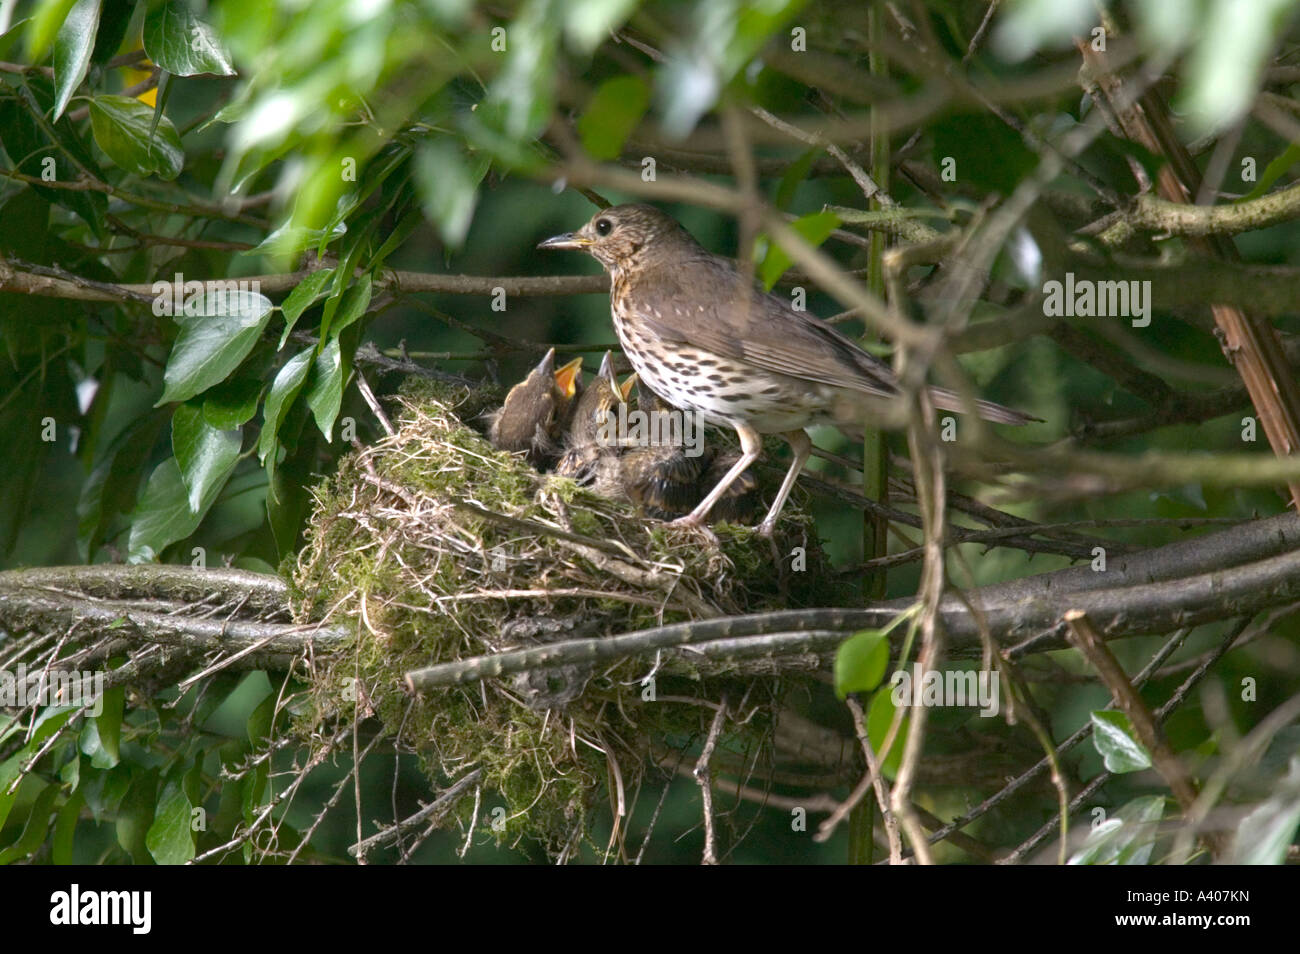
724 391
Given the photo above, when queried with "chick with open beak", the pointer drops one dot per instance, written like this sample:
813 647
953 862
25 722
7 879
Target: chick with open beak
537 410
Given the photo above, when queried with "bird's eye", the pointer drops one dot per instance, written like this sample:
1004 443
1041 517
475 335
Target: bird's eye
604 226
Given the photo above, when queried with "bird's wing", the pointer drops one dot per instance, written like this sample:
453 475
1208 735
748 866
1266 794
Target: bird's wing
706 303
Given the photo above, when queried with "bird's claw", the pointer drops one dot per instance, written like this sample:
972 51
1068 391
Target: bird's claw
692 522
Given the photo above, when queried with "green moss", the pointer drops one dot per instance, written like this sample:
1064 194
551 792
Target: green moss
400 551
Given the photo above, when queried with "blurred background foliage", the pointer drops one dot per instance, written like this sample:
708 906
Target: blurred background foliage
144 139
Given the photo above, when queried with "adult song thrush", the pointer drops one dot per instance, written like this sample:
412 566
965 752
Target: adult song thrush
536 411
704 337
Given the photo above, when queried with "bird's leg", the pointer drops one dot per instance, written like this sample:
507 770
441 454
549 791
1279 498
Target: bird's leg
751 446
801 444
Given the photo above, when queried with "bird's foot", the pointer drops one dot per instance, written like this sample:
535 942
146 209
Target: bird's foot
693 522
766 529
690 520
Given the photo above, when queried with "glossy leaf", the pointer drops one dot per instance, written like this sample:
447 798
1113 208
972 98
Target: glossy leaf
814 228
1115 739
325 395
38 824
284 389
232 403
214 340
305 294
169 839
164 514
206 455
65 829
182 44
860 662
880 717
354 304
1127 838
122 129
72 48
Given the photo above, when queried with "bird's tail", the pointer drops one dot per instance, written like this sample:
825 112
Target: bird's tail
951 401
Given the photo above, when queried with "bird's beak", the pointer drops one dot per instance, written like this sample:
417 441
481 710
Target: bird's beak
626 388
546 366
607 372
607 367
566 377
567 240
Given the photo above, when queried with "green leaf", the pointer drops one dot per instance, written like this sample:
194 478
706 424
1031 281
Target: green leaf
65 829
860 662
114 481
355 301
411 219
114 20
1265 834
587 23
304 295
755 24
101 735
38 824
291 239
169 839
213 342
182 44
122 129
29 148
70 773
72 48
794 177
9 770
104 791
206 455
325 396
284 389
43 26
880 716
815 229
448 187
232 403
1113 735
260 720
135 815
1127 838
1274 171
612 114
109 723
525 87
164 514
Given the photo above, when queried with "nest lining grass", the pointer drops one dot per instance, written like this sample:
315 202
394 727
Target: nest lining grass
435 547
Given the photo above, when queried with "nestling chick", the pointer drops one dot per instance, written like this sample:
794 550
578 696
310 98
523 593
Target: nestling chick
536 411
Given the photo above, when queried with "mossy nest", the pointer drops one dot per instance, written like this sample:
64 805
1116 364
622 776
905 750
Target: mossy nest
436 547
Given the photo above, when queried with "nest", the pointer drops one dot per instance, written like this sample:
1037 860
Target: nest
433 546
